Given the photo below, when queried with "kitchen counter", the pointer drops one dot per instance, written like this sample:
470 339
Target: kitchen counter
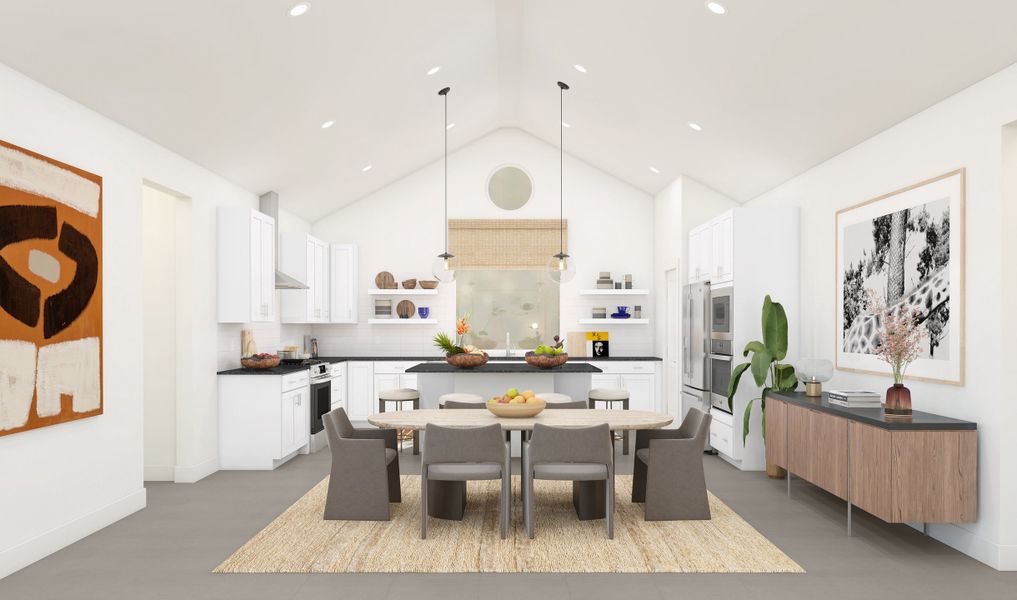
503 367
440 358
875 416
280 370
516 364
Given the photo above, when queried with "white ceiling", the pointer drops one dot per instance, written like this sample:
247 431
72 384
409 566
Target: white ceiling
241 88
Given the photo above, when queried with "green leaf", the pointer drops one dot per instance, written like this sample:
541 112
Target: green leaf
774 328
732 385
786 378
753 346
745 421
760 367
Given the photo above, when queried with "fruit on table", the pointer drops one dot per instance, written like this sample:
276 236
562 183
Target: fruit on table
513 396
528 394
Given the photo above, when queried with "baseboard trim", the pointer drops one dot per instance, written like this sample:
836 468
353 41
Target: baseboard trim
20 556
997 556
197 472
158 473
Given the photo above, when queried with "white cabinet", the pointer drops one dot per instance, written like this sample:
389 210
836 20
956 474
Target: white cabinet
245 252
638 377
306 258
391 374
342 278
264 420
700 254
338 388
360 398
722 244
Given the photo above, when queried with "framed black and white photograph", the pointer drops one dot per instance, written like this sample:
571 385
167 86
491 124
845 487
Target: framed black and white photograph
904 249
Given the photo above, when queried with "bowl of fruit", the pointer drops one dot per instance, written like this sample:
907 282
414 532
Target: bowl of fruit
547 357
260 361
516 405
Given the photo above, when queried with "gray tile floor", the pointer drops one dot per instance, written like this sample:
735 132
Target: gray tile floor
168 550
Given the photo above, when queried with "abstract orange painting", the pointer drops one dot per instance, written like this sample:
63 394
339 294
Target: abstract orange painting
50 291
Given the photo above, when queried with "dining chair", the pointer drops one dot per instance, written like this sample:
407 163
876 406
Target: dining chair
466 404
668 470
451 457
569 404
365 470
584 456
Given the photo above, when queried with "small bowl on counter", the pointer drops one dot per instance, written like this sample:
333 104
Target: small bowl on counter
545 361
466 360
267 362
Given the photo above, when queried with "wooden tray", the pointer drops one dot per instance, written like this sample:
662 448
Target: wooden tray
542 361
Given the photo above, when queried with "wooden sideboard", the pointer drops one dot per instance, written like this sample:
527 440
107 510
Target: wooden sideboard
920 470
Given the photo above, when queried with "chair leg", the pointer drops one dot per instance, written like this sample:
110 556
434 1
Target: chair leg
395 492
638 480
506 501
423 502
625 434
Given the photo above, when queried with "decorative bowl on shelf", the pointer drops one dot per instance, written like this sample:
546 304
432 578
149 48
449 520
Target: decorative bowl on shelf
405 309
525 410
428 284
260 363
545 361
464 360
409 284
423 311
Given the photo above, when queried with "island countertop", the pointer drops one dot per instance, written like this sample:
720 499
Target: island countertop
504 367
875 416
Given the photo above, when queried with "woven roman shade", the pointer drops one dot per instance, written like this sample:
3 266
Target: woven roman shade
518 244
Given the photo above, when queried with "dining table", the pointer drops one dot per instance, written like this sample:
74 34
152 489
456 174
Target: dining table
447 499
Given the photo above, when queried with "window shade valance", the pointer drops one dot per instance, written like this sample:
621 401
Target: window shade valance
520 244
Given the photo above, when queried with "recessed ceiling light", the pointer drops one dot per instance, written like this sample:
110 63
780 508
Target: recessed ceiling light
433 70
299 9
695 126
450 126
715 7
565 125
654 169
327 124
366 168
579 68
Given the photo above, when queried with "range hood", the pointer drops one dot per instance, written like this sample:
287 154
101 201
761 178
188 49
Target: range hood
269 205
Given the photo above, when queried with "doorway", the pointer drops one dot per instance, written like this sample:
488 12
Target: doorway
166 281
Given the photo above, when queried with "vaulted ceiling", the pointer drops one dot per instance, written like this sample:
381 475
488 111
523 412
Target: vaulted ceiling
242 88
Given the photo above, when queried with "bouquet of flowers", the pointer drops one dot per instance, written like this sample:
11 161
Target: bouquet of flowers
900 336
450 347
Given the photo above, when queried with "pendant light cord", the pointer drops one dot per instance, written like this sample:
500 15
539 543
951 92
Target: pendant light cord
561 170
446 173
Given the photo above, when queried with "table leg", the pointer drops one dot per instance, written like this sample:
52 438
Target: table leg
625 434
590 499
446 499
416 434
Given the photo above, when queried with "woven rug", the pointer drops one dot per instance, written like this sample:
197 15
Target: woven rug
300 541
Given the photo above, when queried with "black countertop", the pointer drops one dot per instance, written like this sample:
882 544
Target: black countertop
503 367
280 370
875 416
441 358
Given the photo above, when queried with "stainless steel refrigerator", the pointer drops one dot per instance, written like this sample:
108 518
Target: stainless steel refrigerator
696 347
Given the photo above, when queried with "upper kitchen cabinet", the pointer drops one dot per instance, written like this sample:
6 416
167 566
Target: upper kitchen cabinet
343 283
711 250
245 250
306 258
700 253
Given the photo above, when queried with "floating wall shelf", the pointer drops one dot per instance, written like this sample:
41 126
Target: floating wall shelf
398 321
608 322
413 292
606 292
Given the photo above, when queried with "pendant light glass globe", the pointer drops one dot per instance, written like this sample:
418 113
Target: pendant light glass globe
444 268
561 268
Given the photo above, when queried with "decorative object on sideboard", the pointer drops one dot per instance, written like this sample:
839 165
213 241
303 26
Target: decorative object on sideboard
383 308
813 372
457 354
767 371
409 284
428 284
900 343
909 245
405 309
260 361
51 293
247 345
623 313
385 281
561 268
423 311
444 266
637 312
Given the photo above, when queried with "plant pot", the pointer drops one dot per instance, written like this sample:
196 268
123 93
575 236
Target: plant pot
898 401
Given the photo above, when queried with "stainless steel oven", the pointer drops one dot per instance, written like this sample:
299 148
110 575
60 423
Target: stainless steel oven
721 363
721 313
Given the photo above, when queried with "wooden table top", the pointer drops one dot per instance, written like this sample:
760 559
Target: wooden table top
618 420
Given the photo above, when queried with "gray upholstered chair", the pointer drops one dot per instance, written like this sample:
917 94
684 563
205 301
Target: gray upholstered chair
456 404
584 456
668 471
453 456
365 470
569 404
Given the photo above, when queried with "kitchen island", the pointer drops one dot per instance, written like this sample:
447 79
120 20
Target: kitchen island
494 378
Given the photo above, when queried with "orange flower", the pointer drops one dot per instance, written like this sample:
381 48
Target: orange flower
462 325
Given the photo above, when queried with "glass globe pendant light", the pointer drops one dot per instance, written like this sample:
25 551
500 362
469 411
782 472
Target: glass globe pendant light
561 268
443 266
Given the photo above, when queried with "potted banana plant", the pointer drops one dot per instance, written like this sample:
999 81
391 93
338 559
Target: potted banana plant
767 371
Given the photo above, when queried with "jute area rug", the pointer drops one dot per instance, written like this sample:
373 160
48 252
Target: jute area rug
300 541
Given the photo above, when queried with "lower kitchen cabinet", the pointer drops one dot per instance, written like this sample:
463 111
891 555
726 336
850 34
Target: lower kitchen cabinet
639 378
360 397
264 420
338 387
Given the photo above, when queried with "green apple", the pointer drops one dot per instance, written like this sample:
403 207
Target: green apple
512 393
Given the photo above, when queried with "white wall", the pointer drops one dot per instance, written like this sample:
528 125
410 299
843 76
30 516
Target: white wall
63 482
399 229
962 131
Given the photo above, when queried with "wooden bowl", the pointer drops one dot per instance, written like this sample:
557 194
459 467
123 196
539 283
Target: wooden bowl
517 411
409 284
428 284
542 361
466 361
259 363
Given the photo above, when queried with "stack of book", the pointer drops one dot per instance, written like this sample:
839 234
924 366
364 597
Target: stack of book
855 398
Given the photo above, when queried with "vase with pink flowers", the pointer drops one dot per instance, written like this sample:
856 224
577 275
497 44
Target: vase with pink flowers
899 344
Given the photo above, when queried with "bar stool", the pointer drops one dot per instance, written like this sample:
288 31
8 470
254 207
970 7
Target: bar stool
400 396
552 397
459 397
611 397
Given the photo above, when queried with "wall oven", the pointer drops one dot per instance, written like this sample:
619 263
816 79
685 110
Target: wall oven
721 363
721 313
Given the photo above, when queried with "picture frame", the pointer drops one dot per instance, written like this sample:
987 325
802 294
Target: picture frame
907 248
